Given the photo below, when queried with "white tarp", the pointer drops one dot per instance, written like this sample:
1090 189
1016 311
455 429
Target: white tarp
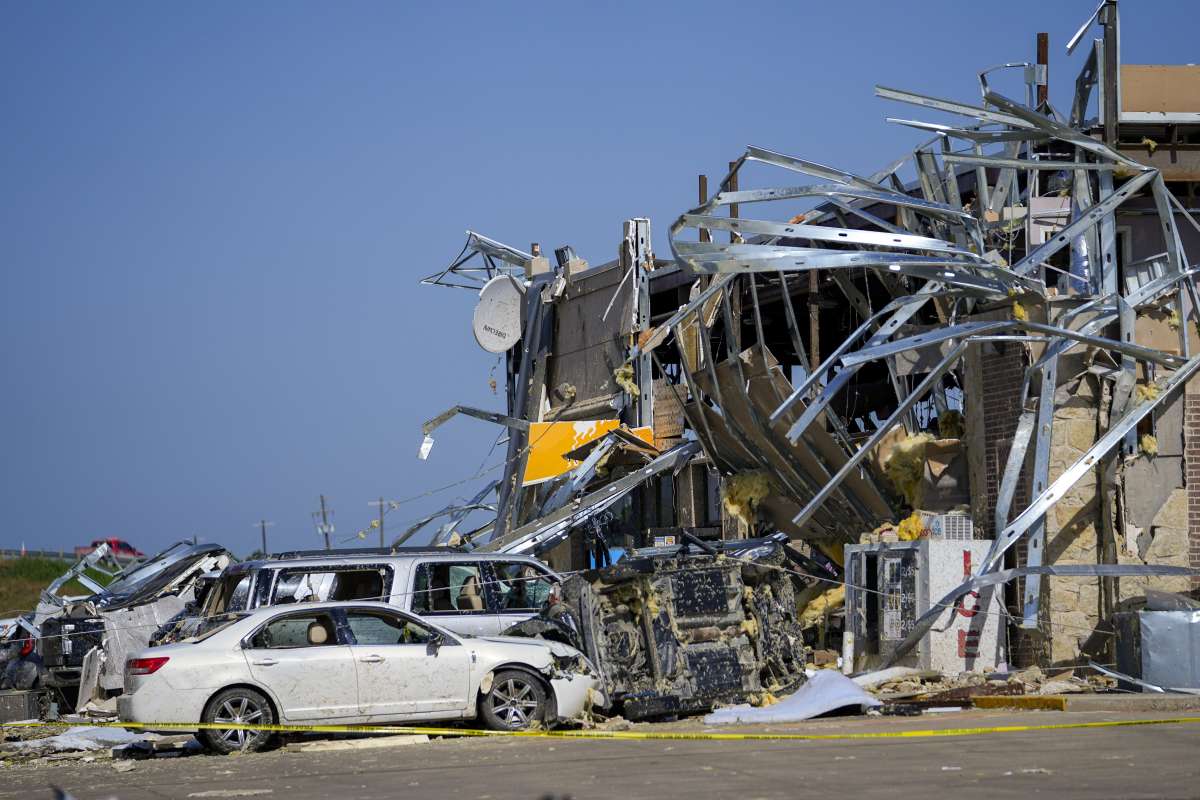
825 691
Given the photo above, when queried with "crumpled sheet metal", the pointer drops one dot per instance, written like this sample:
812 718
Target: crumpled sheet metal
464 274
1150 687
827 690
546 531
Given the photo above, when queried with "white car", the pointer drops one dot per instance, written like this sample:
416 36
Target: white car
350 663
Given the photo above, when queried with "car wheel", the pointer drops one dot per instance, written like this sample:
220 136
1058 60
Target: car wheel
239 706
516 701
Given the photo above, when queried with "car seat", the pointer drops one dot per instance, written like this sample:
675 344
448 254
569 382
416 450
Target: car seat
318 634
469 598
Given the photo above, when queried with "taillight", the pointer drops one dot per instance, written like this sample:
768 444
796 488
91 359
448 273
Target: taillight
145 666
26 647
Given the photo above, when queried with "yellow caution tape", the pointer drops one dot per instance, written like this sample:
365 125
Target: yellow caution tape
625 735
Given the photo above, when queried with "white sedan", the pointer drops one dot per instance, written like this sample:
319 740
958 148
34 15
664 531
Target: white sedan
350 663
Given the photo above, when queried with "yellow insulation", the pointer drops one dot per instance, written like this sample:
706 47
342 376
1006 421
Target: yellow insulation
910 528
1149 444
741 494
812 614
1019 312
623 375
1146 391
906 466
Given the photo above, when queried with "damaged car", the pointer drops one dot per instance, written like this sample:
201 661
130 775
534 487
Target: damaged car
77 646
681 629
469 593
350 663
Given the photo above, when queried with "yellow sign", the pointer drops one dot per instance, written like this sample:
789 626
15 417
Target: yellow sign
550 441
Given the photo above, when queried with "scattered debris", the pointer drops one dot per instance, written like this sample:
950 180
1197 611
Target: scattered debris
824 692
337 745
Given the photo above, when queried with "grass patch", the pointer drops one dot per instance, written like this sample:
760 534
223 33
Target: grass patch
22 581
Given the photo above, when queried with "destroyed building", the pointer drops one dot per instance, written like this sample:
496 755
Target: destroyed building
1000 347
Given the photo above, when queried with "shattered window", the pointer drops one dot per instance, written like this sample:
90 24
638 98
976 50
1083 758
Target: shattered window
521 586
214 625
303 586
230 594
296 630
442 587
237 598
377 628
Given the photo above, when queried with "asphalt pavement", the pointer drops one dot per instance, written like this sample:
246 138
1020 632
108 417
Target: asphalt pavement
1158 761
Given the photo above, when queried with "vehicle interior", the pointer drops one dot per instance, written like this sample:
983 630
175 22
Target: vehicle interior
297 630
324 583
448 588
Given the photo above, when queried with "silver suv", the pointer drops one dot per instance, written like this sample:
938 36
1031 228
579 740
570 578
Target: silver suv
470 593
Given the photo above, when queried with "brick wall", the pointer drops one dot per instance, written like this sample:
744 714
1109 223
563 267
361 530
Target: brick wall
1002 371
1191 461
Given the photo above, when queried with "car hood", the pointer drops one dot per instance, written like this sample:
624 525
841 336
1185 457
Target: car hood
529 645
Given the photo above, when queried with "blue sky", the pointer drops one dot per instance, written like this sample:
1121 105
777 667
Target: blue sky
213 216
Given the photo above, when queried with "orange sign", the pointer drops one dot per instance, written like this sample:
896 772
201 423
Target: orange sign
550 441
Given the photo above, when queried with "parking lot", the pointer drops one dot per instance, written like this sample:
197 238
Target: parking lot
1126 761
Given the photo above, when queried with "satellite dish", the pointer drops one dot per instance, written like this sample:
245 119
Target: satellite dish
497 319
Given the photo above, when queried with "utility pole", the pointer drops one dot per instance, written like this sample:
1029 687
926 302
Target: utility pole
1043 69
732 186
323 527
382 505
262 527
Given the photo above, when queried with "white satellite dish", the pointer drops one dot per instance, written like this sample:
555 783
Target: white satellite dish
497 319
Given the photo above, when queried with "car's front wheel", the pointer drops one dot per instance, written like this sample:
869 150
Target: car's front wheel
516 701
237 706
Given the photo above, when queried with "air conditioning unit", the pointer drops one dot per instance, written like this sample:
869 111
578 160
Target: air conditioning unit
890 585
952 525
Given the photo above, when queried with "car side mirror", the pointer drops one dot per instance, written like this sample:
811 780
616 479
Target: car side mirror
435 644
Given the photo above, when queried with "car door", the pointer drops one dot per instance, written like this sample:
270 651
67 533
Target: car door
452 594
405 668
517 590
297 655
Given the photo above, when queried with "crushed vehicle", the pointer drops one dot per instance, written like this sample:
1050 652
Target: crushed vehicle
469 593
76 646
682 629
350 663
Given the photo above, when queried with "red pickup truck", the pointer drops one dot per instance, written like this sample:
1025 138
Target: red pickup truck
120 548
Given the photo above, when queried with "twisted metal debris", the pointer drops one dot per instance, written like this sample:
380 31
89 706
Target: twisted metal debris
949 257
